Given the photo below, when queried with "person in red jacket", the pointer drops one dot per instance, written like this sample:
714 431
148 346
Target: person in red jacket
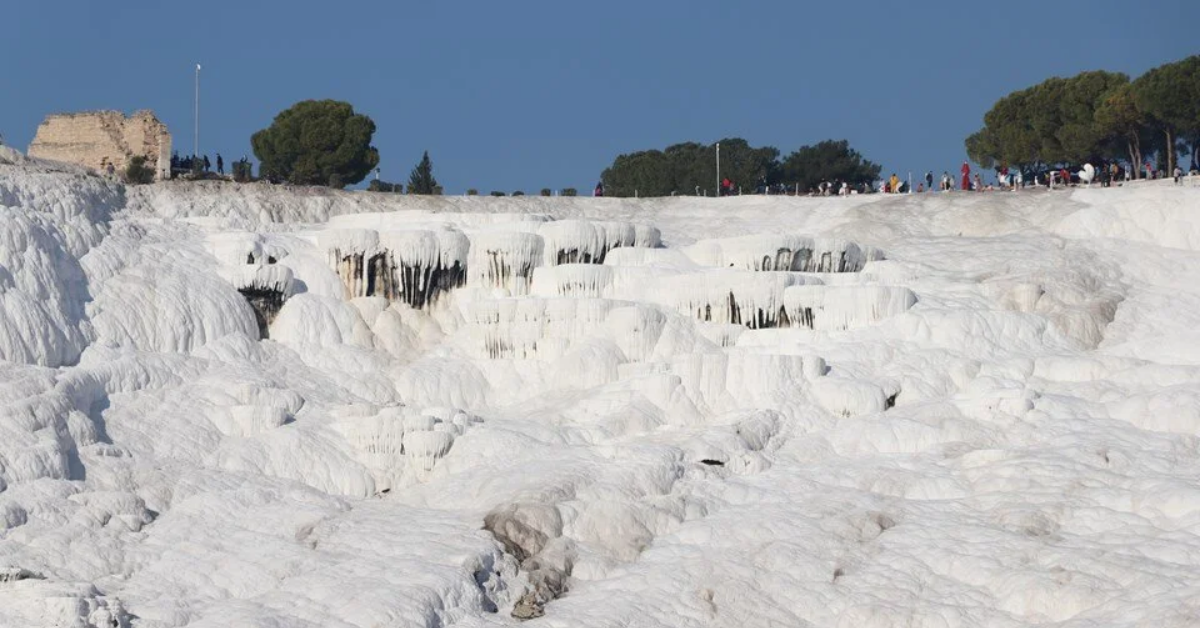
966 174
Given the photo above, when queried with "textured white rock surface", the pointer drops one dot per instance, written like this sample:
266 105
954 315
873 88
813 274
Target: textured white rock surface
990 416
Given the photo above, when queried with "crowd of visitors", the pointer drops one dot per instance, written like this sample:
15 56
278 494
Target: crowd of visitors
199 166
1106 175
194 164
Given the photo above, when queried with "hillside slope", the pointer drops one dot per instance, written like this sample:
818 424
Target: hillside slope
249 405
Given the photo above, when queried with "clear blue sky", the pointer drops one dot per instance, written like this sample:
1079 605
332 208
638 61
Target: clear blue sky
544 93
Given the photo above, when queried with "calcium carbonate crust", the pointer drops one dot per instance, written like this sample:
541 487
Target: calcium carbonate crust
266 406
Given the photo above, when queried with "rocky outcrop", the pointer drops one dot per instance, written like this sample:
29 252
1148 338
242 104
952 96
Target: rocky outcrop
532 533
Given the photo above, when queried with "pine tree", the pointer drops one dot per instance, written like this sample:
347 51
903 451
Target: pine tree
1168 95
421 180
317 142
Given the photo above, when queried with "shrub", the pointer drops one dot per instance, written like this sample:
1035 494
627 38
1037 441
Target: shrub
518 193
438 190
472 192
136 173
545 192
242 171
384 186
569 192
495 193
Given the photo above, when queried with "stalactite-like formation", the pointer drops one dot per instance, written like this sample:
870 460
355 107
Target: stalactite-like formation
418 266
265 288
528 327
747 298
504 259
414 266
266 305
583 242
844 307
783 253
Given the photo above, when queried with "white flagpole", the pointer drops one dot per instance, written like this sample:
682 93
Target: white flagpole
196 137
718 169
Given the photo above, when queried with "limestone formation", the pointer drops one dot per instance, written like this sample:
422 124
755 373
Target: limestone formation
97 138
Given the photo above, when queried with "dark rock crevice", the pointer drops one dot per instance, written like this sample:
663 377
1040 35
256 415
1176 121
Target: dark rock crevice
266 304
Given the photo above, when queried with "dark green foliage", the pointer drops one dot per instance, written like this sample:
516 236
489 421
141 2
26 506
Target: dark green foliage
317 142
421 180
497 194
242 171
1170 97
1124 125
1095 116
472 192
545 192
1080 137
746 166
518 193
827 161
1050 123
570 192
383 186
646 172
981 149
137 173
682 168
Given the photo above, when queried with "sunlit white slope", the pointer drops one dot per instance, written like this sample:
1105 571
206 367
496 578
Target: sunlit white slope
253 405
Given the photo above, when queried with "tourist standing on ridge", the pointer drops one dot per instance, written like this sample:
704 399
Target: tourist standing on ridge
929 180
1178 175
207 164
220 164
978 183
894 184
599 191
966 176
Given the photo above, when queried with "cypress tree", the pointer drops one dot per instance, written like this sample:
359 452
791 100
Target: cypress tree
421 180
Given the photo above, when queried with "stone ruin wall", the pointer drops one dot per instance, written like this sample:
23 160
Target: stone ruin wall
94 139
